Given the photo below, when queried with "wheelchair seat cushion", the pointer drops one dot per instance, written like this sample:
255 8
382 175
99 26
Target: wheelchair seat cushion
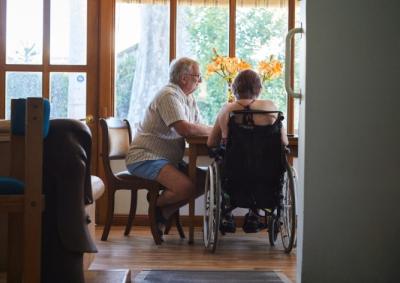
11 186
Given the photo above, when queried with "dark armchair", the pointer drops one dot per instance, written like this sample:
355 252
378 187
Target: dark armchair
67 187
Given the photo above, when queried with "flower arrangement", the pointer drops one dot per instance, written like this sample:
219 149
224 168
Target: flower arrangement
269 69
228 67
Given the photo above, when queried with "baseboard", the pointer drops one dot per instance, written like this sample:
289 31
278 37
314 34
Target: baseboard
143 220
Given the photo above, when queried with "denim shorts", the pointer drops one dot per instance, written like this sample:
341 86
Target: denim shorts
148 169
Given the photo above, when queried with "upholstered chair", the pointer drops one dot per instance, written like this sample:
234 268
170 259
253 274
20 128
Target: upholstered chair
67 185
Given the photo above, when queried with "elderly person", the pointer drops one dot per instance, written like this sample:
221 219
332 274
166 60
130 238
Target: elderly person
158 146
246 88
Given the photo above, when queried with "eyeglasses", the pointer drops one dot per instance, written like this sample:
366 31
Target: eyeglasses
198 76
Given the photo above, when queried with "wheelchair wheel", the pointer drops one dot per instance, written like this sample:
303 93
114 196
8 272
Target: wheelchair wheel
273 229
288 213
212 207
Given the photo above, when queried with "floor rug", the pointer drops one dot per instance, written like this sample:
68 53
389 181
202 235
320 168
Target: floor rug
210 276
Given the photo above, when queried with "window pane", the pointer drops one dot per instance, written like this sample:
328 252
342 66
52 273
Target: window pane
200 29
260 32
24 33
142 56
21 85
68 30
68 95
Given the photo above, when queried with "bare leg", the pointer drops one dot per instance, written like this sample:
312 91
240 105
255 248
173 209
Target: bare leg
179 189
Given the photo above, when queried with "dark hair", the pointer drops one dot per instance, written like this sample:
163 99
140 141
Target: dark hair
247 84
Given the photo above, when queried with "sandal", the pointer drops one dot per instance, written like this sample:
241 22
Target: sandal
161 221
252 223
227 224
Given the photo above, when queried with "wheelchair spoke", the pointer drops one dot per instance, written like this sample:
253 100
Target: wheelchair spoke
211 213
288 215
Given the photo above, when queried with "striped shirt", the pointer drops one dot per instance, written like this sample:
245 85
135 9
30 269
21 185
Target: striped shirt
155 138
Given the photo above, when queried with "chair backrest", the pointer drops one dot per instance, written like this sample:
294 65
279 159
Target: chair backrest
254 159
29 125
116 138
24 135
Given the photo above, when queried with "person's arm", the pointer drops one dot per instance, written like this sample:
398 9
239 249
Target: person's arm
187 129
284 136
269 105
215 137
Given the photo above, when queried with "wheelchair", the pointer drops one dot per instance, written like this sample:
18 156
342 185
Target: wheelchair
252 171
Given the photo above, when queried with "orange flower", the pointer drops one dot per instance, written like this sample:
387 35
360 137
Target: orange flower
269 69
226 67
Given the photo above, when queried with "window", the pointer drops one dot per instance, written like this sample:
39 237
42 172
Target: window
259 32
45 53
17 83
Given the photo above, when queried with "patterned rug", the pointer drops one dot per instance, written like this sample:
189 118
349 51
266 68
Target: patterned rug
210 276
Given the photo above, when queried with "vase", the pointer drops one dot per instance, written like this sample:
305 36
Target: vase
230 97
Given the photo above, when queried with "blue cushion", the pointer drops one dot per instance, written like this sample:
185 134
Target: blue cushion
11 186
18 117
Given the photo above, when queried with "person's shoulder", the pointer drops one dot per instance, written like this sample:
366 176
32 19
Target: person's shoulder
266 104
169 91
228 107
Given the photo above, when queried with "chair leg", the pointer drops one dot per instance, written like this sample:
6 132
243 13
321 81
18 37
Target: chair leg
152 196
14 247
178 225
110 213
132 212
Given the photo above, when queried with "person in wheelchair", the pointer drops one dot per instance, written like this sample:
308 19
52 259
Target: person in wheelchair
246 88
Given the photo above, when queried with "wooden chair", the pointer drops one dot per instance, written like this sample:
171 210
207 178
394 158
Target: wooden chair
116 138
21 192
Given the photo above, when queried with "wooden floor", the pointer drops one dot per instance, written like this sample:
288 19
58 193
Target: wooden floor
237 251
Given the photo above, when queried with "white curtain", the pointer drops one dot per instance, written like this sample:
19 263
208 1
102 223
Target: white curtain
152 60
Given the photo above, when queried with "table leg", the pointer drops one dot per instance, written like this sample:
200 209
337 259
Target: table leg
191 221
192 176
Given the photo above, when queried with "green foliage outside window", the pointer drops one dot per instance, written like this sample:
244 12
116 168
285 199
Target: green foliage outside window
208 31
256 28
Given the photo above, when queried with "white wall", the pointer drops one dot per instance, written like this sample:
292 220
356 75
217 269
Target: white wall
351 142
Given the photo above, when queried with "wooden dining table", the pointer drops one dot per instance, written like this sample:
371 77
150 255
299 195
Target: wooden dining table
197 146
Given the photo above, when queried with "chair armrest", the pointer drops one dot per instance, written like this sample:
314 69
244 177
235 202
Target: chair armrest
97 187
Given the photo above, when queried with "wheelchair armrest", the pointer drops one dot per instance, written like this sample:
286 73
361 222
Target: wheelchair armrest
216 152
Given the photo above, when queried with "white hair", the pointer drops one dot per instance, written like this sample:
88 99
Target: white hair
179 67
